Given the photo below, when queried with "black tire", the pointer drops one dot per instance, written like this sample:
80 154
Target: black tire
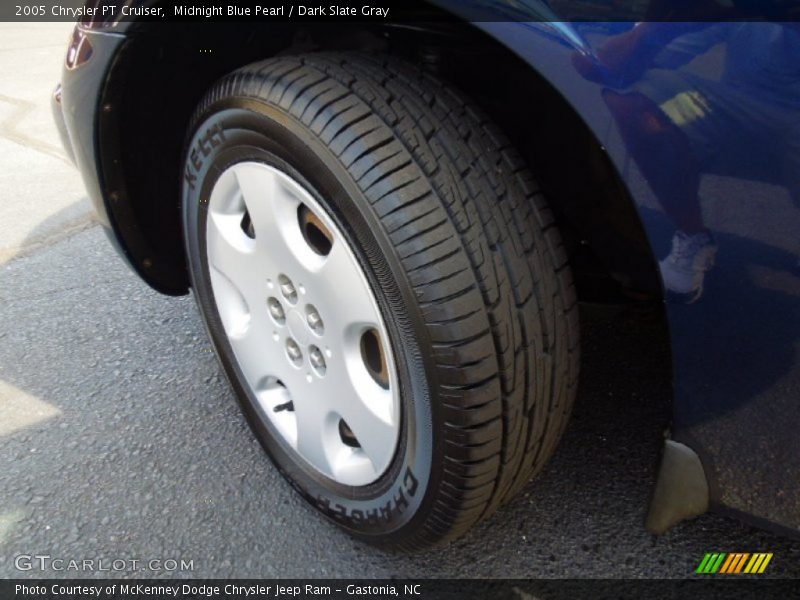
461 250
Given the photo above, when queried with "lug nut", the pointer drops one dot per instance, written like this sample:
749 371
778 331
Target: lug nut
314 320
317 359
293 351
276 310
287 288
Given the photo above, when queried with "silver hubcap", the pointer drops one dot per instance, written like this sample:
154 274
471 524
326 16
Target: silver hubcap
303 323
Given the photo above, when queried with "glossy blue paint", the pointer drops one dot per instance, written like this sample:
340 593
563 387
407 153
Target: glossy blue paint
702 121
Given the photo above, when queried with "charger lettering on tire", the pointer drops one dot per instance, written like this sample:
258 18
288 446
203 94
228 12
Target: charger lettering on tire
395 505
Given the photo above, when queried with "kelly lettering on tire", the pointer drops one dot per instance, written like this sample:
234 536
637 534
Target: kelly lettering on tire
212 138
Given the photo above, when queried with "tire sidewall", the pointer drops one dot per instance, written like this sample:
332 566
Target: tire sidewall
241 129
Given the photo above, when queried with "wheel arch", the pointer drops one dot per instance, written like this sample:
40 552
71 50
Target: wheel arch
162 71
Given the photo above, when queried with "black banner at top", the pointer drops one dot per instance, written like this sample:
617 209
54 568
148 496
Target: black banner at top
108 13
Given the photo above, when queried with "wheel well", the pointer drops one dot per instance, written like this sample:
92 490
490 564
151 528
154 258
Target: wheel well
162 72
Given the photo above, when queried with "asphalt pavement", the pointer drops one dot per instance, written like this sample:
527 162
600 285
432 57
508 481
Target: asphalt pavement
121 440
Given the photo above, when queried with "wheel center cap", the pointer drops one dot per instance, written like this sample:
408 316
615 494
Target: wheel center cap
297 327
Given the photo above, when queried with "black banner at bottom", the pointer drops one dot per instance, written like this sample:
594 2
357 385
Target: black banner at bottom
340 589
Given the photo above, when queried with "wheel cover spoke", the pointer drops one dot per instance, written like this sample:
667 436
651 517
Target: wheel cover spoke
231 256
355 308
294 308
314 433
367 409
256 358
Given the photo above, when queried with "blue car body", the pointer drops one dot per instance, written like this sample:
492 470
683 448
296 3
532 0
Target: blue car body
732 89
736 358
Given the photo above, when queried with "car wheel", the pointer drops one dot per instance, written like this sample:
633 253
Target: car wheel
385 288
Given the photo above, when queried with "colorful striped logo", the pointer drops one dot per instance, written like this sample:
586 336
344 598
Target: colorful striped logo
734 562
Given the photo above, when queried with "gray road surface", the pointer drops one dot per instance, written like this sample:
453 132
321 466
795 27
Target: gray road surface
119 438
